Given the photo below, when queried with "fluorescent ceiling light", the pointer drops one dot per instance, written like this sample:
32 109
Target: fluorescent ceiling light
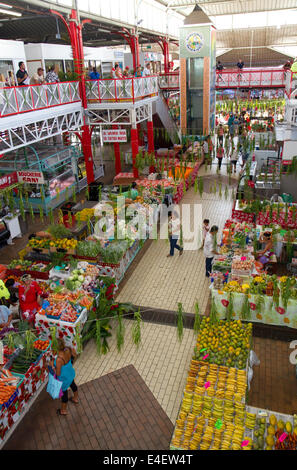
5 6
12 13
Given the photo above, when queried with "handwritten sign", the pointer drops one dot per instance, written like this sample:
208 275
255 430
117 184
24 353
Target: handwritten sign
245 443
205 357
206 385
218 424
282 437
204 349
33 177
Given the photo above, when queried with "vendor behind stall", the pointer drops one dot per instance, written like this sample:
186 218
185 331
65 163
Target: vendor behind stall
29 298
267 246
131 195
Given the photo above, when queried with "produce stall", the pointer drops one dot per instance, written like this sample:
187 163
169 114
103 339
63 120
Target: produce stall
21 377
264 299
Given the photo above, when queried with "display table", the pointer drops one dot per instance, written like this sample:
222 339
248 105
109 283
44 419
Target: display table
65 330
117 271
239 215
26 393
269 314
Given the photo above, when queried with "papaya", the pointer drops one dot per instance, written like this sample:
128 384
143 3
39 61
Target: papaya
272 420
288 427
271 430
280 425
270 441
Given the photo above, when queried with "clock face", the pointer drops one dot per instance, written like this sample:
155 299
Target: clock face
194 42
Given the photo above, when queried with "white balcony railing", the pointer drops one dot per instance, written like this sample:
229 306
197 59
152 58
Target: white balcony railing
169 81
22 99
264 78
121 90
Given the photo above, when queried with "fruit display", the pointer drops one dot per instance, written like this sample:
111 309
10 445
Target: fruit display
84 215
224 342
41 344
274 431
64 244
24 265
242 265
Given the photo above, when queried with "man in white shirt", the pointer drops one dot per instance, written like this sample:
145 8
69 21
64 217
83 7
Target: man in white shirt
174 233
209 248
147 70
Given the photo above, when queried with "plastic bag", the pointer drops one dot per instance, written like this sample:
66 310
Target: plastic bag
250 376
254 360
54 387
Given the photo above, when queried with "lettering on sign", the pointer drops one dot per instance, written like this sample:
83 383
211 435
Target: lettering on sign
114 135
33 177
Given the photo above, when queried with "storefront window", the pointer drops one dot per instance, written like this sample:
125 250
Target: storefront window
69 66
58 63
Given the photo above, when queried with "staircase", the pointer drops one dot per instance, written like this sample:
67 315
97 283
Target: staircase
160 109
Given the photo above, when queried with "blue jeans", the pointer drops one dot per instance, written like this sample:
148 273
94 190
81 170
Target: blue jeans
208 263
173 245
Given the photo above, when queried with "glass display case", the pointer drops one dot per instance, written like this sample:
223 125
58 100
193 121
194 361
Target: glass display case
57 170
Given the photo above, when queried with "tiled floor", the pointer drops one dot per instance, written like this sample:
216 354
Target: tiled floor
117 412
161 282
161 360
274 384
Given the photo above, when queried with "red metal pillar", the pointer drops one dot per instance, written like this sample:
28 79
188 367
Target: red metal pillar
134 145
117 154
150 138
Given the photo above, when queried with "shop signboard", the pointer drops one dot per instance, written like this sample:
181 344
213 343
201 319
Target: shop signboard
114 135
31 177
8 180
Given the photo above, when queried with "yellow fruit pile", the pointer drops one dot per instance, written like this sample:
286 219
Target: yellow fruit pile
225 342
65 243
84 215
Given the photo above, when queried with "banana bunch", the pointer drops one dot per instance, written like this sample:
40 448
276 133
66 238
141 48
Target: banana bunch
217 409
190 385
207 407
207 438
250 420
227 437
187 402
237 438
197 404
228 411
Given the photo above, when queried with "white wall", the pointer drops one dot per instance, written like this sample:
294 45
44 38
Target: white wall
12 50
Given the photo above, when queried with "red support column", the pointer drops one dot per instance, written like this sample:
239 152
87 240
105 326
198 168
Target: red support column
87 151
134 145
150 138
117 154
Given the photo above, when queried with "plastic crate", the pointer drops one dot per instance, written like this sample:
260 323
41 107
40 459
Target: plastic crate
44 350
53 317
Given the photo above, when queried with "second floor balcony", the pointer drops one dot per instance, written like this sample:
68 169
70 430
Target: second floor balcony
127 90
23 99
250 78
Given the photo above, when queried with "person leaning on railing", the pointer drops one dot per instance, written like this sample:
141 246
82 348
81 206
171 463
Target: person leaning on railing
22 75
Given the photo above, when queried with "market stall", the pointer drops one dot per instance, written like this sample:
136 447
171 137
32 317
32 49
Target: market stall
22 375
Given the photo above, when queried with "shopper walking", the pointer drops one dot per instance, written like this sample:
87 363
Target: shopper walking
22 75
210 248
220 155
221 134
234 159
174 233
65 373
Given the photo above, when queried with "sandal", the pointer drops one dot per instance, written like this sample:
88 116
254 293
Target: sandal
72 400
61 414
